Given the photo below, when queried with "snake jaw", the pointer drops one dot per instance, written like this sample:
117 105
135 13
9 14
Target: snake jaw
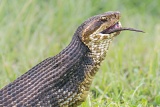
117 25
117 28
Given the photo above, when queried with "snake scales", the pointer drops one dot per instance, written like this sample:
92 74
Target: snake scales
64 80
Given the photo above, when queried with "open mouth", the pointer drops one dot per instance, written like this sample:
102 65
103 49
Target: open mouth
117 28
112 28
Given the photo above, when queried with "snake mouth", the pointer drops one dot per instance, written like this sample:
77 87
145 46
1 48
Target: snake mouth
117 28
112 29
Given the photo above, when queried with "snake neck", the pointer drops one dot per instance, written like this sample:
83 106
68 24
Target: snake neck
88 66
98 53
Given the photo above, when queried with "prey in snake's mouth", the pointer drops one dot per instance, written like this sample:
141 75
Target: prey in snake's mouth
117 28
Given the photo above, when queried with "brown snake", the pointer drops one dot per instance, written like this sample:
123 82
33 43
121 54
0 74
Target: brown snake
64 80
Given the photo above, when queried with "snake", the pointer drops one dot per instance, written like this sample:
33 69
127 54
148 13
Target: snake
64 80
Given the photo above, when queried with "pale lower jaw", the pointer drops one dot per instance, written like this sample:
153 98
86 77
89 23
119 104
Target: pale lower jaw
109 36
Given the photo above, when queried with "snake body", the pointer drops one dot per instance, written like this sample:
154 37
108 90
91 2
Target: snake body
64 80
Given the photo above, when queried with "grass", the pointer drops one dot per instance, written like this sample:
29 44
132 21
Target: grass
33 30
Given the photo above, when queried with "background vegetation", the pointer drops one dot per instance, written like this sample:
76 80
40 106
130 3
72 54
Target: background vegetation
32 30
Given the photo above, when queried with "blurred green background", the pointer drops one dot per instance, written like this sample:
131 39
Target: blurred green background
32 30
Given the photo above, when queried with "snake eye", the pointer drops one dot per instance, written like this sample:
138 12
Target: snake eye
103 18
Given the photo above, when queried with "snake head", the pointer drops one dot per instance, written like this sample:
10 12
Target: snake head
94 31
98 31
96 27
